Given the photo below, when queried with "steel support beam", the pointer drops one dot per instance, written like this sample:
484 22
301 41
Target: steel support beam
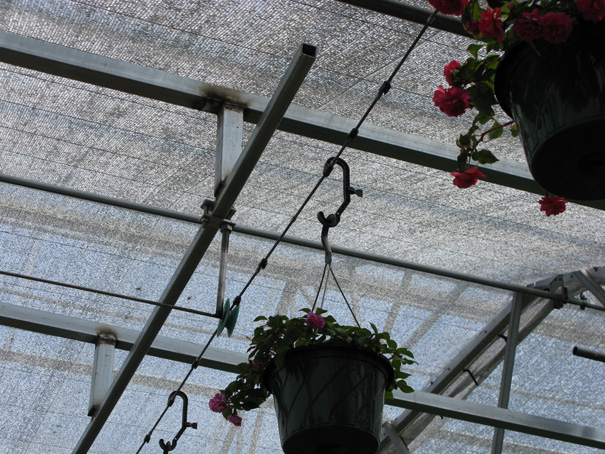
509 361
102 370
534 290
586 277
390 431
291 81
411 13
186 352
229 138
150 83
87 331
500 417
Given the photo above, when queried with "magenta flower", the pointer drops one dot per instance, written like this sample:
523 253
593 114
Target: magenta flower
452 101
315 321
552 205
556 27
491 25
217 404
473 27
449 69
529 27
235 420
593 10
467 178
454 7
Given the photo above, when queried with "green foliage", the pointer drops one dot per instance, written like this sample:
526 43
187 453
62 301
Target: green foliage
279 334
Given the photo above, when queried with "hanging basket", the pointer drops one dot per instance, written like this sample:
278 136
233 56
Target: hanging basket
329 399
556 95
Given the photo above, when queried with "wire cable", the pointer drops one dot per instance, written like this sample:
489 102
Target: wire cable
384 88
106 293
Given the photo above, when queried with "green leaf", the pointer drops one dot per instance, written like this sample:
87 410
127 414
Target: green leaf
260 318
496 131
484 157
514 130
474 49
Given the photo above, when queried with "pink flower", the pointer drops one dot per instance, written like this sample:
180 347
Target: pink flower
556 27
529 27
473 27
467 178
217 404
315 321
453 101
490 24
453 7
449 70
257 366
593 10
552 205
235 420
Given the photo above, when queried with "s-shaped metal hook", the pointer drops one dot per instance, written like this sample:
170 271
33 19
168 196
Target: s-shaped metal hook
332 220
169 446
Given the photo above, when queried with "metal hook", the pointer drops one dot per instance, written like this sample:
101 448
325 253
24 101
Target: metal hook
332 220
171 445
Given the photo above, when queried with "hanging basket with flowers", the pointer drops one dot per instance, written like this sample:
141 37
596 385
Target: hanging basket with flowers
543 62
329 381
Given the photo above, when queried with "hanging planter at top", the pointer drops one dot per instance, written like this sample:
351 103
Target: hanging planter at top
550 79
556 95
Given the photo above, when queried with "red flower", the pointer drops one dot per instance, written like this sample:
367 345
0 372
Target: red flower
490 24
467 178
235 420
552 205
593 10
473 27
453 7
217 404
529 27
556 27
453 101
449 70
315 321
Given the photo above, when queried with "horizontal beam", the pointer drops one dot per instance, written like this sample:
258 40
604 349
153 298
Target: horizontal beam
411 13
500 417
535 290
77 329
215 358
151 83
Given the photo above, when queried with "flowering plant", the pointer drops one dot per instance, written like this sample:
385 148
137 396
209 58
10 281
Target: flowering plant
278 335
471 83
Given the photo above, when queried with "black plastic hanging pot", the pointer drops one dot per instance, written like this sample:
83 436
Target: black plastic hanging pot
556 95
329 399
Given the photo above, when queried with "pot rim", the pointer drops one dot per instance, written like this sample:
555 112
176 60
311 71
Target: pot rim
378 359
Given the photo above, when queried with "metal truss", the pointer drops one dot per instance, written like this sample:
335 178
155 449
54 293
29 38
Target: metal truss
186 352
269 115
154 84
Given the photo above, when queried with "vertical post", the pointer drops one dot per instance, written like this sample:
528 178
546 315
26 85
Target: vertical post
230 125
102 370
226 229
509 361
390 430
